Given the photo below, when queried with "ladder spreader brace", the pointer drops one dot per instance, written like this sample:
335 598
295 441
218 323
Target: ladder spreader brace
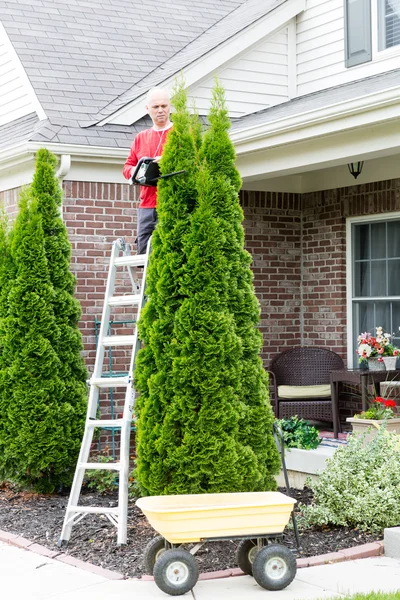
117 515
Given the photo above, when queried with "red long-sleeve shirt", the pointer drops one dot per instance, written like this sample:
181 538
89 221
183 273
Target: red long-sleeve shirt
147 143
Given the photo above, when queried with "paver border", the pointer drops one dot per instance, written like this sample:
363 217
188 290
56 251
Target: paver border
363 551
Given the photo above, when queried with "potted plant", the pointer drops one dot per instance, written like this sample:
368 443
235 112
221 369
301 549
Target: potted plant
381 411
377 353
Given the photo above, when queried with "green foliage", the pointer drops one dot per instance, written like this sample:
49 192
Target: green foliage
204 418
42 376
175 201
374 596
101 481
360 486
298 433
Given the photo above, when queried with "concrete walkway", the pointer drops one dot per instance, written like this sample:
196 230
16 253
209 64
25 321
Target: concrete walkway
26 575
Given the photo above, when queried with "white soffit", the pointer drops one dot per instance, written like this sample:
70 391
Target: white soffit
216 58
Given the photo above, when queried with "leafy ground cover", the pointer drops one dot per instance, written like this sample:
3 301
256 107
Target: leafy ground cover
39 518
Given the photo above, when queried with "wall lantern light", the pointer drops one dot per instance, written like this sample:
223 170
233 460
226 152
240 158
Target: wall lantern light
356 168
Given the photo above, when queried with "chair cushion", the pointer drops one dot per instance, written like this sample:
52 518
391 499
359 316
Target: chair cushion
304 391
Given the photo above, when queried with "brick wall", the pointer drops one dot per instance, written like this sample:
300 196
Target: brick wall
297 243
9 202
95 215
273 237
324 271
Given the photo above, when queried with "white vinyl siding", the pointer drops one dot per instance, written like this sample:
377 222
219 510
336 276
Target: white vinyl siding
17 98
320 47
255 80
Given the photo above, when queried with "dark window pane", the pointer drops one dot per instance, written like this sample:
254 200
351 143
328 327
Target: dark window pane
361 242
361 279
396 323
394 277
363 319
393 239
378 240
382 316
378 278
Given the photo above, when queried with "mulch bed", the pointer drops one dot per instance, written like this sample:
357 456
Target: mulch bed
39 518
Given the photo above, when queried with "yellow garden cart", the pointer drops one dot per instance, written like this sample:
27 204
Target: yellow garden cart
257 519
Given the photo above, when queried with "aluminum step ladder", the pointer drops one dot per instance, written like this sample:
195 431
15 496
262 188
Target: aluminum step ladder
117 515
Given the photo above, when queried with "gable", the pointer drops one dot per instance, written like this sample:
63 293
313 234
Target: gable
253 25
253 81
17 97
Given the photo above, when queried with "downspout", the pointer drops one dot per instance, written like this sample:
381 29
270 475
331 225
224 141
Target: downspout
302 338
65 165
63 170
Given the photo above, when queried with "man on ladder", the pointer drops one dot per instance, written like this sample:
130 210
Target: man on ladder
149 143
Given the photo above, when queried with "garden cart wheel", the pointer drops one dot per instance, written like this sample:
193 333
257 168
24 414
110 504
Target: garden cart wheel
176 572
274 567
152 553
245 555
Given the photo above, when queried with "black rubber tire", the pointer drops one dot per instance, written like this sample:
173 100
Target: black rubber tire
245 555
274 567
176 572
152 553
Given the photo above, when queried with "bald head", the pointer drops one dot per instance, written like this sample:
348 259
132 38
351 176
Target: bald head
159 106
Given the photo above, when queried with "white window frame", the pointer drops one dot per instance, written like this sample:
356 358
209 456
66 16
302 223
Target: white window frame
351 355
376 53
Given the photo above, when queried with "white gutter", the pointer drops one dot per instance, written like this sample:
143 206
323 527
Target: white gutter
328 114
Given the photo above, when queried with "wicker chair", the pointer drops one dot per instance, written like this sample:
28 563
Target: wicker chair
300 367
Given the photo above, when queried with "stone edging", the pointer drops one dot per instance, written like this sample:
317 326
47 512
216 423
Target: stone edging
364 551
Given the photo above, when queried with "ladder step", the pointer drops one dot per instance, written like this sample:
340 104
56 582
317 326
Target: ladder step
119 340
94 509
109 382
135 260
127 300
100 466
105 423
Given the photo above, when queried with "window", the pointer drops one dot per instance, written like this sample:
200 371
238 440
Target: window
388 23
375 278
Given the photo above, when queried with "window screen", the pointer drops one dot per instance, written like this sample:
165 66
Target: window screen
388 23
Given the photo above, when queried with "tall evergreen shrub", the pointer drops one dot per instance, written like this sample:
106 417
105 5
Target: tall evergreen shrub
175 201
257 417
205 422
42 381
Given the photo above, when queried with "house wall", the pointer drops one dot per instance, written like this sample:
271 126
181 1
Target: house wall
298 245
320 49
17 97
253 81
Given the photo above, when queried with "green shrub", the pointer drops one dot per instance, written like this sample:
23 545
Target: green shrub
42 374
298 433
360 486
101 480
204 417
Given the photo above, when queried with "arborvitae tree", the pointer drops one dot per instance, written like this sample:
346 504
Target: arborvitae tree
200 434
67 311
255 427
42 382
175 201
200 429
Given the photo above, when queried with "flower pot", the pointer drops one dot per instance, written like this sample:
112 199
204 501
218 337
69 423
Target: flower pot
374 364
390 362
371 426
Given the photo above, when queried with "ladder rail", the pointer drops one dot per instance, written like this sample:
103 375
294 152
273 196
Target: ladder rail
117 516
